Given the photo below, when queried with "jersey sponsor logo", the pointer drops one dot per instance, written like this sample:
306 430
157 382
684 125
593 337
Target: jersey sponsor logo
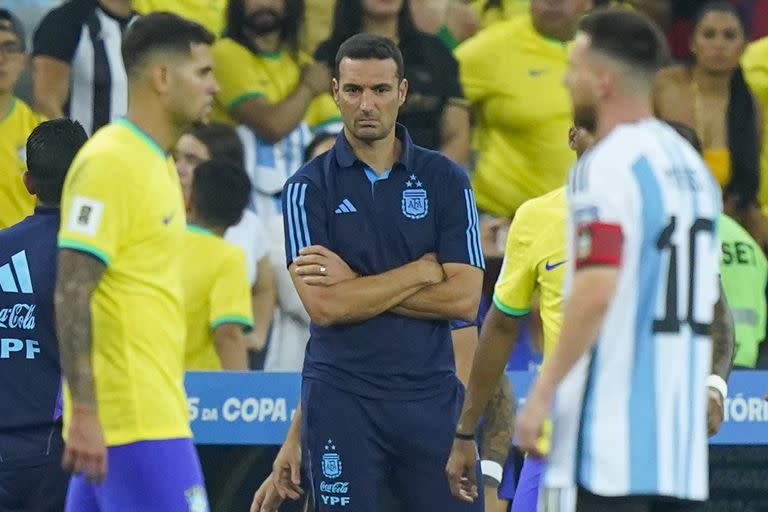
414 204
536 72
197 501
345 206
10 346
14 276
331 463
334 487
20 316
85 215
554 265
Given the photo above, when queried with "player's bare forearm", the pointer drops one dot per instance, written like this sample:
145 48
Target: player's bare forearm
455 298
723 338
464 347
294 430
361 298
499 423
455 132
591 294
230 347
497 339
78 276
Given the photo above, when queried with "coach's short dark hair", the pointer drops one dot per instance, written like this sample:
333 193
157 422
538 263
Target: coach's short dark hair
369 46
221 140
160 31
220 192
628 36
51 147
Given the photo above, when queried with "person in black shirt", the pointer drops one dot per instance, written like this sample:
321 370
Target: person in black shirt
77 69
31 477
435 113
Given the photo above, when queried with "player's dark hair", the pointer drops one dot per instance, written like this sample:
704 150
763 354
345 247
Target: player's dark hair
369 46
221 140
627 36
741 123
686 132
160 32
51 147
289 36
220 192
348 21
319 139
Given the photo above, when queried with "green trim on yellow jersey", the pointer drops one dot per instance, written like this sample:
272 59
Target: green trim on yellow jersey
508 310
243 97
270 55
233 319
330 120
194 228
11 108
127 123
83 247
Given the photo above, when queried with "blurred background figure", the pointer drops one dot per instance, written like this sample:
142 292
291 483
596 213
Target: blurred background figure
278 97
16 123
435 112
216 290
712 96
218 141
755 65
77 68
208 13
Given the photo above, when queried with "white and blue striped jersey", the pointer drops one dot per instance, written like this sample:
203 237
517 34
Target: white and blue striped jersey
630 417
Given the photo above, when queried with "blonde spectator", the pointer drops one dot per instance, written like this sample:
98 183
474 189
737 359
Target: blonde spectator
208 13
711 95
755 65
16 123
512 74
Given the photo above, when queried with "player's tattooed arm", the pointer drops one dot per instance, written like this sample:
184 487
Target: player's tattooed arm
498 423
723 338
78 276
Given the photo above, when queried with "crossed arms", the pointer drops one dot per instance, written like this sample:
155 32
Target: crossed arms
333 293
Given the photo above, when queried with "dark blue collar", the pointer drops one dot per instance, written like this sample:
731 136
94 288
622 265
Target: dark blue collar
46 210
345 156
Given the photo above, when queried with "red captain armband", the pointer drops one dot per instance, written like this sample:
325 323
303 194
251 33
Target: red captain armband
598 243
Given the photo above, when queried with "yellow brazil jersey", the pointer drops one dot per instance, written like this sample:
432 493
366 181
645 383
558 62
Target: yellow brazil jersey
504 11
209 13
513 77
216 291
15 127
244 74
755 64
122 203
535 259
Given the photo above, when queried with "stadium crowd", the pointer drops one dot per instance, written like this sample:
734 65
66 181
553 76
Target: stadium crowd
485 90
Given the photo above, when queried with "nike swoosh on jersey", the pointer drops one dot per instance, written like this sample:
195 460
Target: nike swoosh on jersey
554 265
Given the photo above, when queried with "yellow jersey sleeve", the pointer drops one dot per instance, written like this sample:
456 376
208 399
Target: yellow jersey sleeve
322 111
238 79
94 215
755 65
231 293
517 279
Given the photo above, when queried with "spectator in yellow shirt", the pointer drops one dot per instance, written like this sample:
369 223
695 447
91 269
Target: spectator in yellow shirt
512 74
208 13
755 65
16 123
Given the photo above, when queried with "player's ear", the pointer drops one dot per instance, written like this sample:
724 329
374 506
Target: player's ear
159 75
572 138
29 183
335 90
403 90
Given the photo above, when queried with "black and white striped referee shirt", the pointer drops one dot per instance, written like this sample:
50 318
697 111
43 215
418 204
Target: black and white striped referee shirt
87 37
